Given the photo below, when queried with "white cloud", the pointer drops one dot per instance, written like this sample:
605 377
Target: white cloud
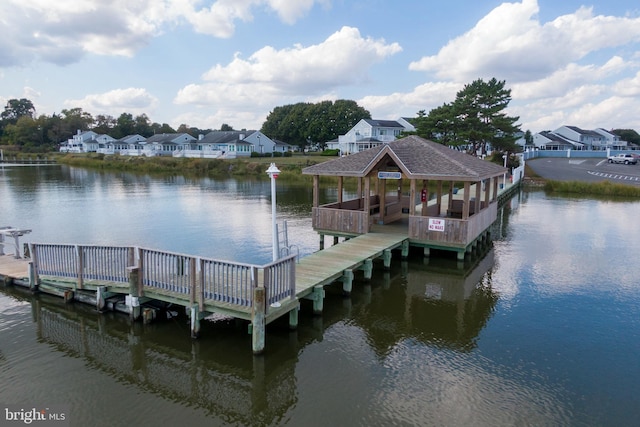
424 97
290 11
63 31
629 87
567 79
273 77
130 100
510 43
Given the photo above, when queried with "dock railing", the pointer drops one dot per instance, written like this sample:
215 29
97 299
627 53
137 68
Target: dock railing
199 280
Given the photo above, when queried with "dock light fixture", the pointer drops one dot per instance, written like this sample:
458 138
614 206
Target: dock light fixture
273 172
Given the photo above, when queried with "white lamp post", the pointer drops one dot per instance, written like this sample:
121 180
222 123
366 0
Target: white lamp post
273 172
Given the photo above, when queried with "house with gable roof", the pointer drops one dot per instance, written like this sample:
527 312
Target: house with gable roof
130 145
370 133
85 142
547 140
575 138
167 144
231 144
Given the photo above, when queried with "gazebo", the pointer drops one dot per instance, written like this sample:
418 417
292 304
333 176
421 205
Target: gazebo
452 218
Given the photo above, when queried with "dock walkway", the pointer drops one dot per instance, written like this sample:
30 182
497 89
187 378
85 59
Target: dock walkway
131 277
339 262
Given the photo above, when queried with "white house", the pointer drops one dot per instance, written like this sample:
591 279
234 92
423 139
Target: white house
369 133
231 144
574 138
612 140
80 142
130 145
550 141
167 144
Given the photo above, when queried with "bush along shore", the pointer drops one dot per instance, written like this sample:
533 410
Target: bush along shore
291 168
603 188
253 167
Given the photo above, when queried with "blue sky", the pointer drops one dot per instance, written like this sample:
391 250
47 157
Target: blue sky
208 62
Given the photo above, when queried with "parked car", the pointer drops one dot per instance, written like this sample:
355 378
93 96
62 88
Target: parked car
626 158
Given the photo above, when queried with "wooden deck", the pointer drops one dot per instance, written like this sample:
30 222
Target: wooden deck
328 265
14 268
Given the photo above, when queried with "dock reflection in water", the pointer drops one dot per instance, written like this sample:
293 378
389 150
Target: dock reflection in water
217 375
430 309
435 301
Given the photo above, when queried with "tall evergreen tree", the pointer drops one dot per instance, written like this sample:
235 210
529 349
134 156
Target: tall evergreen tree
474 119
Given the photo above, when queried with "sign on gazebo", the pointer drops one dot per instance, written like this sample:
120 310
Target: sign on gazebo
436 224
389 175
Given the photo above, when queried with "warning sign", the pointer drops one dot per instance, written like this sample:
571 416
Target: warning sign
436 224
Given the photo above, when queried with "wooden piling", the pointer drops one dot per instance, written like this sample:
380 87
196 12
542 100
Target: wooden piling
347 282
367 267
195 320
386 256
258 320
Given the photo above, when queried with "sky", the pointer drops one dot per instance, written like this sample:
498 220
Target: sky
205 63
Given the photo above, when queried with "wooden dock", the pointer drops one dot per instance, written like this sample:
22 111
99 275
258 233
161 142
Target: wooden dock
339 262
128 279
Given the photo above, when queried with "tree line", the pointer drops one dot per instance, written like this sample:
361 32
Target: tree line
21 128
473 120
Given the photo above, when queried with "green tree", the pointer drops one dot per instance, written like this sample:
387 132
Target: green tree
142 126
225 127
25 132
528 138
74 120
628 135
300 123
125 125
161 128
17 108
474 119
104 124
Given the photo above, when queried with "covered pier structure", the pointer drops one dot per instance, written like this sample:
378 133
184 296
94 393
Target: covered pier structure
451 201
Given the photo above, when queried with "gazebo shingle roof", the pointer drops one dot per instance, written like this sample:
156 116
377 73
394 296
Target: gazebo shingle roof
417 158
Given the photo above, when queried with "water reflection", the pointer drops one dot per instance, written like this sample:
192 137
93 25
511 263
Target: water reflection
218 372
435 301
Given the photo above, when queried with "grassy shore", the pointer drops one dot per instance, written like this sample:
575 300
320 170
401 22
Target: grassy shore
603 188
291 167
213 168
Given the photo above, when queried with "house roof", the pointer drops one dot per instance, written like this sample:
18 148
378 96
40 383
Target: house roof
226 137
584 132
384 123
168 137
417 158
555 138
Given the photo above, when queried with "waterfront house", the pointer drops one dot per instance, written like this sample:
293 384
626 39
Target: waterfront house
166 144
369 133
452 220
130 145
82 142
547 140
232 144
575 138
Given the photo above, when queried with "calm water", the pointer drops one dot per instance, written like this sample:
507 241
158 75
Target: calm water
542 330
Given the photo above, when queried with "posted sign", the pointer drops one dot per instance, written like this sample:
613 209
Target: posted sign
436 224
389 175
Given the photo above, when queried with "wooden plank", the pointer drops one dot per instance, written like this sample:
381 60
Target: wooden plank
327 265
16 268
